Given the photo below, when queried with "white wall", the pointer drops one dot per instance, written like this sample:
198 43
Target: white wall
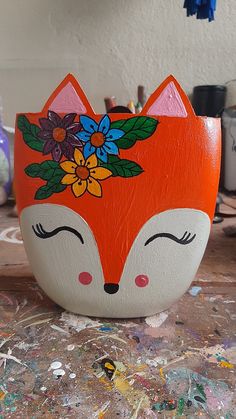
112 45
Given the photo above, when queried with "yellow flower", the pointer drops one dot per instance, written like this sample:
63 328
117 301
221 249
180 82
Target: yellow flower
84 175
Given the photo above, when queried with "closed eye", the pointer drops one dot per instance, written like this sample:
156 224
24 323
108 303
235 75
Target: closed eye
43 234
185 239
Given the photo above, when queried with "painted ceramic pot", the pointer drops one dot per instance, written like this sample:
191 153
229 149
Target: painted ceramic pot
115 209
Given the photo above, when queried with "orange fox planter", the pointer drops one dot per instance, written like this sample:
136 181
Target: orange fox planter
115 210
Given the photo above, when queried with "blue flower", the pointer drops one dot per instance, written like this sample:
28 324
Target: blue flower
99 138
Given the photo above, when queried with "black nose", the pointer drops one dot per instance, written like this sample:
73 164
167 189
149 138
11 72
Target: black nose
111 288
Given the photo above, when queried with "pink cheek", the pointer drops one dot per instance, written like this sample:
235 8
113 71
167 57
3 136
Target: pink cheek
85 278
141 281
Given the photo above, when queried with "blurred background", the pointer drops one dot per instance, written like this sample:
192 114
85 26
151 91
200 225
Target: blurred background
111 46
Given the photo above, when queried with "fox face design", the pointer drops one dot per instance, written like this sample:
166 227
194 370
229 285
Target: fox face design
115 210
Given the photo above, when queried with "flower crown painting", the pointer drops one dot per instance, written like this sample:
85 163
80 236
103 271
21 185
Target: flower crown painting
115 209
83 152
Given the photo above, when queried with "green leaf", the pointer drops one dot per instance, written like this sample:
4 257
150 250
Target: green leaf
23 123
30 133
33 170
136 128
59 188
43 192
48 170
47 190
123 168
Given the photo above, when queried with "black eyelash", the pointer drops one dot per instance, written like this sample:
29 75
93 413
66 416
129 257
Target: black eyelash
185 239
42 234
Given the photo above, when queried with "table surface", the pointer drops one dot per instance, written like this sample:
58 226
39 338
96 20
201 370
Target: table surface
55 364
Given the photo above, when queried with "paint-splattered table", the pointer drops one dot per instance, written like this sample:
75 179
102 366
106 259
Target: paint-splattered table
54 364
58 365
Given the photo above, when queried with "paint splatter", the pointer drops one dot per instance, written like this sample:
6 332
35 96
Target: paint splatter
70 347
194 291
78 322
59 372
180 407
165 405
105 329
157 320
108 367
120 366
214 354
55 365
158 360
226 364
10 235
195 388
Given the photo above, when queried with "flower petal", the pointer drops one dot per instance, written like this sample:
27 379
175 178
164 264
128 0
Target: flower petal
102 154
91 161
49 146
68 120
54 118
46 124
111 147
83 136
68 166
88 124
88 150
45 135
104 124
79 158
74 128
56 153
69 179
67 149
100 173
94 187
79 187
114 134
73 140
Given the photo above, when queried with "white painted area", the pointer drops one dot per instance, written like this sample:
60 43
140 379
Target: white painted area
55 365
59 372
57 261
10 234
111 45
78 323
169 266
70 347
157 319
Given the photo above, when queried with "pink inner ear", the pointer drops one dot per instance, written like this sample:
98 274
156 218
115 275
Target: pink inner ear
169 103
68 101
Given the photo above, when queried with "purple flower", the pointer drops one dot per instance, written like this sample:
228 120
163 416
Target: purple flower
59 136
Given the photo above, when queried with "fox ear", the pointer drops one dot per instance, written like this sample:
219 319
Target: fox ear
68 97
169 100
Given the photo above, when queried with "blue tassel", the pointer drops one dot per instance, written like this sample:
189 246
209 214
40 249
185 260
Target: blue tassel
203 9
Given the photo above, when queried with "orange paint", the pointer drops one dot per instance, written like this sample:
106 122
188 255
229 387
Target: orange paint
181 162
